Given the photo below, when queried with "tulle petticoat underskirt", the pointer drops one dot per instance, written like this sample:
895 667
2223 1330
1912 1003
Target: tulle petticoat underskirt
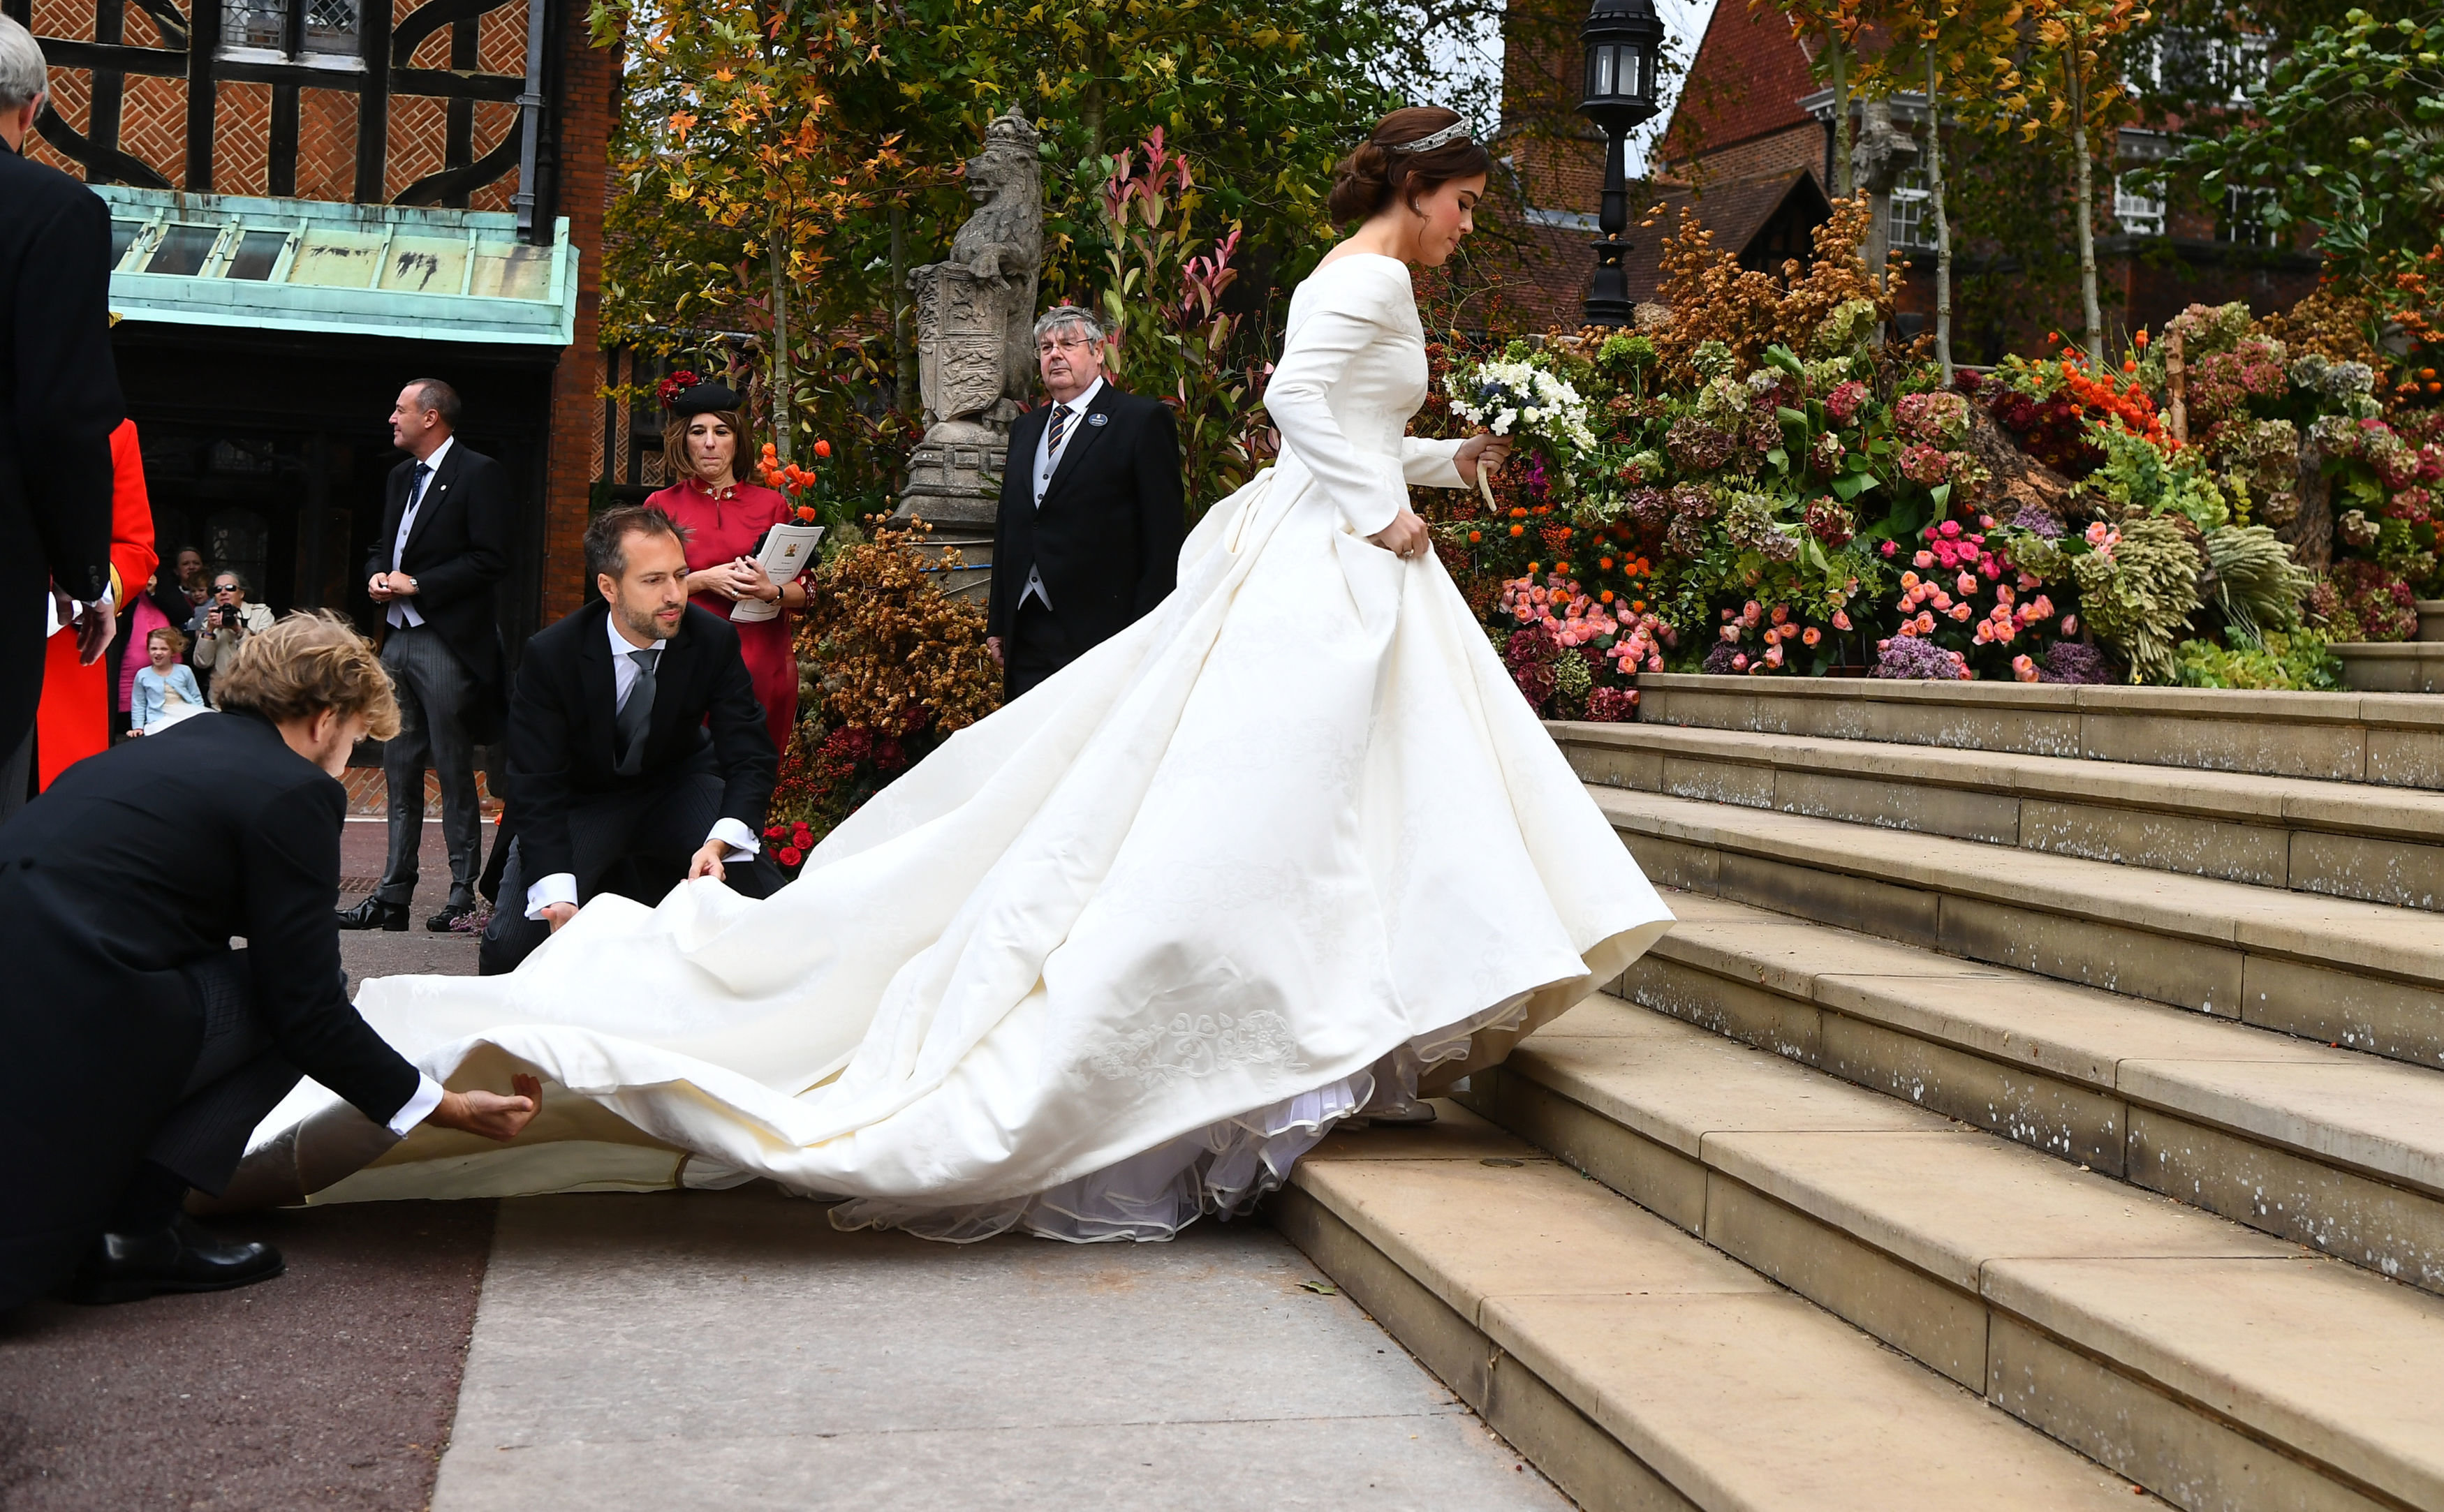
1221 1171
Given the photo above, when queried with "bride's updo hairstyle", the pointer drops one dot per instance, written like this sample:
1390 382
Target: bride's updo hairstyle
1385 165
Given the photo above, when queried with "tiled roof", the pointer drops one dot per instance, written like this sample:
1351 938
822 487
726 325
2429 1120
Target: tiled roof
1746 218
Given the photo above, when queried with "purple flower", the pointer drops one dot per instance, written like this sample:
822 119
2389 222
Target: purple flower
1908 656
2068 661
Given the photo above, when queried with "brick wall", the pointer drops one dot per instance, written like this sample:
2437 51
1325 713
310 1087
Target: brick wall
590 102
1744 84
153 113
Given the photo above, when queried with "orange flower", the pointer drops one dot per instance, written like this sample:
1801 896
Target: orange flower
1518 529
823 449
1475 536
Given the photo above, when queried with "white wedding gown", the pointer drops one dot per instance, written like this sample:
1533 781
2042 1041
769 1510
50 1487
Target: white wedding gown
1117 955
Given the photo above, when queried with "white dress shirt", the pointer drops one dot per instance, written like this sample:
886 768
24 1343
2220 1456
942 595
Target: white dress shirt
560 887
1047 458
403 611
419 1108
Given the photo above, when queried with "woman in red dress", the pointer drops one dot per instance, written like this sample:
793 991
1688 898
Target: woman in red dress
724 520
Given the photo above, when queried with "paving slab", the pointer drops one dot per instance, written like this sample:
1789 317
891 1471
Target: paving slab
1949 1203
1676 1084
2339 1364
331 1386
734 1349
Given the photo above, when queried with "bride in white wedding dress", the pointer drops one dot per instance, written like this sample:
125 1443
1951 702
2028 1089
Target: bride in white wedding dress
1117 955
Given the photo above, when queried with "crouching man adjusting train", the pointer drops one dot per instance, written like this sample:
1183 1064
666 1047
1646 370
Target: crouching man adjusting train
138 1049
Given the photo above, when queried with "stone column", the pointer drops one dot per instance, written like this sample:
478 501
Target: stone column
975 351
1883 153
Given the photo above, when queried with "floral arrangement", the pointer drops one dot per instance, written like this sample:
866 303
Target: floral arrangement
798 485
676 383
1525 398
898 665
1767 489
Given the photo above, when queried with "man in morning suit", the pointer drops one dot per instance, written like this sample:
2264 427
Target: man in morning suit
138 1050
444 543
59 402
637 748
1088 534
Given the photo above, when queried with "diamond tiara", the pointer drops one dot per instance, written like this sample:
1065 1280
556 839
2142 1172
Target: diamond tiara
1454 132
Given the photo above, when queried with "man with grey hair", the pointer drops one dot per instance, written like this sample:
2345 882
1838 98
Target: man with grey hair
59 402
1091 520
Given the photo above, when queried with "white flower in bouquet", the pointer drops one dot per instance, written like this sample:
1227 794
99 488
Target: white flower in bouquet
1519 399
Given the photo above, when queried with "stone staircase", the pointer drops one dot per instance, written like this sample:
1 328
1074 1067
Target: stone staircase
2033 1070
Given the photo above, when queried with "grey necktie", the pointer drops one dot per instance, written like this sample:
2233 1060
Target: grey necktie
636 714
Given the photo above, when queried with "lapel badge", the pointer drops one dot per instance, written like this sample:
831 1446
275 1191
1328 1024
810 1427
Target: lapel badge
1097 417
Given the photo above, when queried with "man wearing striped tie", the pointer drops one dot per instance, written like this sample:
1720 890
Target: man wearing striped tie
1091 517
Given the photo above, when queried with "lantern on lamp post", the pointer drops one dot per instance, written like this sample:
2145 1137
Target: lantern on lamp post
1624 57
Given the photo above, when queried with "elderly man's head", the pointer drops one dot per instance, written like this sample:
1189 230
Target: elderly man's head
1068 351
22 83
318 680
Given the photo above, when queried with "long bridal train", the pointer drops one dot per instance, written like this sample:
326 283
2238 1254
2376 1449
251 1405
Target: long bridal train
1107 960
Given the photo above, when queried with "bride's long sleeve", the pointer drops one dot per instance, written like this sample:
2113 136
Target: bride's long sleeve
1369 486
1432 463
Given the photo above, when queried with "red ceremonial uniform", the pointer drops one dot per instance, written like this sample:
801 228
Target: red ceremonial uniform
74 719
723 528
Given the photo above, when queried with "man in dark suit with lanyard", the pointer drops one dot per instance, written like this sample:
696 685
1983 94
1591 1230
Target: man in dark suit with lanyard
1090 525
444 544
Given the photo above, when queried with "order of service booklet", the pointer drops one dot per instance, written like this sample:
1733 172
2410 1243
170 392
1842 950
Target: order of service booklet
789 550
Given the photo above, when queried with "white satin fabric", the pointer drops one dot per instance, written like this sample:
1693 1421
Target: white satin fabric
1119 954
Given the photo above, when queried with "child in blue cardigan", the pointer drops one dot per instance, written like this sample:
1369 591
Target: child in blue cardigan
166 691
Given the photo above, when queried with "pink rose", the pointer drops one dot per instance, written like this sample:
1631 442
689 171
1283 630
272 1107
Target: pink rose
1966 583
2071 626
1923 560
1841 620
1731 634
1811 636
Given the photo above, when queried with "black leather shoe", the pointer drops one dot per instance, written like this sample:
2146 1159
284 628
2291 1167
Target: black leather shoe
448 919
184 1257
373 913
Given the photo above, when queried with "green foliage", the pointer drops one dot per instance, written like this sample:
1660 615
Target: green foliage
2295 662
2139 475
2138 596
2257 585
1162 302
2347 141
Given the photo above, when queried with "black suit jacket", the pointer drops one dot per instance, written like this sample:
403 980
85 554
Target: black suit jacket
98 917
458 549
59 402
1107 536
562 745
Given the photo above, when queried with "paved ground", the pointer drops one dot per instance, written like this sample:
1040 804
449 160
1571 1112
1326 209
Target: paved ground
732 1349
330 1387
727 1350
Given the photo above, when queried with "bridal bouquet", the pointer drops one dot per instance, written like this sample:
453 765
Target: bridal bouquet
1518 399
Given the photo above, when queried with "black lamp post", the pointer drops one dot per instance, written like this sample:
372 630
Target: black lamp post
1624 46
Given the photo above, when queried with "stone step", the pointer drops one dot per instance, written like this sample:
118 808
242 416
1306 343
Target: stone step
2342 840
2327 1147
2395 739
2224 1370
2332 970
1637 1367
